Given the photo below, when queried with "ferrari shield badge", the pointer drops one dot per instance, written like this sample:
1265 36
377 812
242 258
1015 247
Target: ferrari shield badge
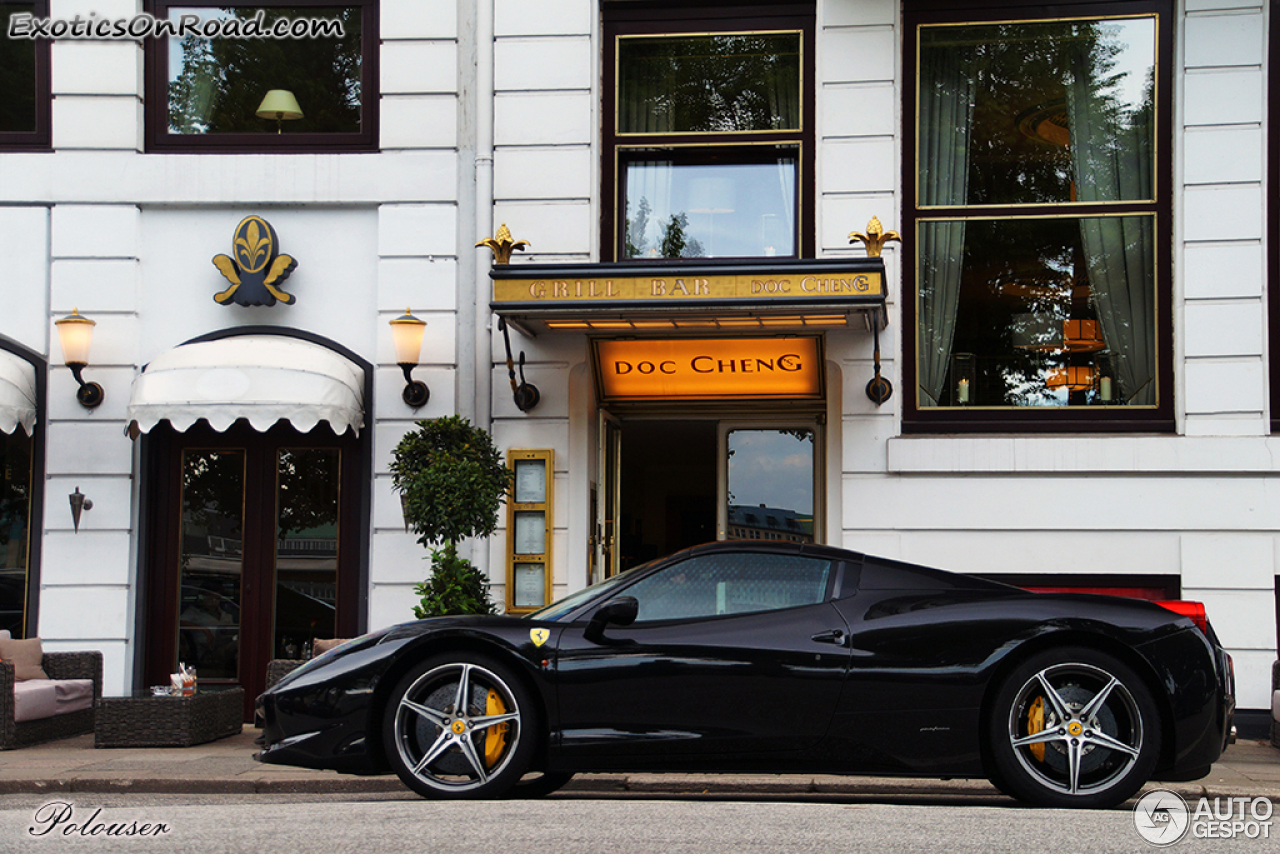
257 269
539 636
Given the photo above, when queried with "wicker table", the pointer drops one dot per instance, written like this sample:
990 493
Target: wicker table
147 721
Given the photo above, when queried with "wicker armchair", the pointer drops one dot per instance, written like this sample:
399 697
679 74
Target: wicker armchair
278 668
58 665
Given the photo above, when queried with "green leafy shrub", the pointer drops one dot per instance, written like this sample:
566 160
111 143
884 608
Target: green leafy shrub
451 481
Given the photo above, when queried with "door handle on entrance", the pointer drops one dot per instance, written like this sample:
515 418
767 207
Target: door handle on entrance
834 636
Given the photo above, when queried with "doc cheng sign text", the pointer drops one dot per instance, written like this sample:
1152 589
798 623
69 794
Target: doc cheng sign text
710 368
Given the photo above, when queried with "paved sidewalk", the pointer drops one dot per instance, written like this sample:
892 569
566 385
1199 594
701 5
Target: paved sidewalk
1247 769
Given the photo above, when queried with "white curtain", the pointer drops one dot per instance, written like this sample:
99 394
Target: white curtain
1112 153
946 118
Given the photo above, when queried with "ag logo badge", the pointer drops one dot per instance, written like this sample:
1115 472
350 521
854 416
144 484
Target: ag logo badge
539 636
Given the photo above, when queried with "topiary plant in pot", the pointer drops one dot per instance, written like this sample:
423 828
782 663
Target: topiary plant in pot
451 481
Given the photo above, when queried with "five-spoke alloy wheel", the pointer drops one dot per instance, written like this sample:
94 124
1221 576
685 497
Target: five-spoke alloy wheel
1073 727
458 726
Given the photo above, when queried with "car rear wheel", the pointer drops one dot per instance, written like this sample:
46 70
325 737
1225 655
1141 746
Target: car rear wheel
1073 728
459 726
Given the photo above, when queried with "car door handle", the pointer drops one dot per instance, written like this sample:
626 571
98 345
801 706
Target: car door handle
835 636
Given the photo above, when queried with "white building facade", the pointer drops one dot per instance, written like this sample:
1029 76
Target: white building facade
1132 449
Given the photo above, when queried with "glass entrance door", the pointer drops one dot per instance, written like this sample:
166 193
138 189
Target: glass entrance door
669 484
770 483
256 557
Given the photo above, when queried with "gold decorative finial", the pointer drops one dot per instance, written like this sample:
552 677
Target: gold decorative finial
875 238
502 245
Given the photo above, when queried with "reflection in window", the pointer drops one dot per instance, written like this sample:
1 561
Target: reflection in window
770 489
1032 113
721 584
306 548
705 140
212 562
1039 312
17 74
710 210
216 85
1020 311
709 84
15 523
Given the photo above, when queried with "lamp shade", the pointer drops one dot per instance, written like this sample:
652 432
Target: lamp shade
406 336
1071 377
1082 336
75 334
279 104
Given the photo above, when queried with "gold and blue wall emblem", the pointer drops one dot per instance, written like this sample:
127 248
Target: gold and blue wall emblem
258 269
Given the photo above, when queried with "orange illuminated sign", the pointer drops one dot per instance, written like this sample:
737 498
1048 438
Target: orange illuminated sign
710 368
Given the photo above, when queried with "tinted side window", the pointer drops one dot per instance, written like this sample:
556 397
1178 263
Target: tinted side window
731 584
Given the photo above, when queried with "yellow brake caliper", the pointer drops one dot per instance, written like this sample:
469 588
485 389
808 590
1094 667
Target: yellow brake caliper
495 739
1035 724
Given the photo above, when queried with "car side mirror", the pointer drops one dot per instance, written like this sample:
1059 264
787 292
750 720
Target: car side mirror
618 612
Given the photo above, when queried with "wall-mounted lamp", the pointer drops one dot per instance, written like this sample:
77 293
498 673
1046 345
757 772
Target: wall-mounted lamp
78 504
279 104
75 333
406 335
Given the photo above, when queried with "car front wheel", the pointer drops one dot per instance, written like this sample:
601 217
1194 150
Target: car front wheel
459 726
1073 727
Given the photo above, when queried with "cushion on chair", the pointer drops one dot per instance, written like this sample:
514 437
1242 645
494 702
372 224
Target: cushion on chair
73 695
4 634
25 655
322 645
34 699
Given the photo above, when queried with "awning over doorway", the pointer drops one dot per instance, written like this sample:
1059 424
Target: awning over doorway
17 394
691 296
261 378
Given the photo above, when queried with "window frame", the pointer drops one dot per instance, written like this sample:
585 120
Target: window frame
632 18
41 138
1038 419
157 137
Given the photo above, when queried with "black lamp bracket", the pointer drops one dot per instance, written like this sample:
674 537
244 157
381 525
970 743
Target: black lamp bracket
879 389
89 394
525 394
416 393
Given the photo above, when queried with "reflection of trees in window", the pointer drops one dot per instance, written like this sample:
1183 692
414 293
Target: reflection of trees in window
673 243
212 503
1037 308
222 81
17 75
709 84
308 491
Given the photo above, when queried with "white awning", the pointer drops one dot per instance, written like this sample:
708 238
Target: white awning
262 378
17 394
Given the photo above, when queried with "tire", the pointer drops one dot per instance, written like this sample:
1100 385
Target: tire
1073 727
478 752
540 785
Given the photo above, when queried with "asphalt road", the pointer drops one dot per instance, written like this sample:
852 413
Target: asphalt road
566 825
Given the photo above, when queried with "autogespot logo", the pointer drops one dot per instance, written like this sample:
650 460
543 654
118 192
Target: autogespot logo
1162 817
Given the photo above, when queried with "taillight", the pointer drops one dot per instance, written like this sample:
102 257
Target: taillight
1194 610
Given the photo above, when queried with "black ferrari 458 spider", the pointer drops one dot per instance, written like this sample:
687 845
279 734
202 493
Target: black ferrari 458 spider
772 657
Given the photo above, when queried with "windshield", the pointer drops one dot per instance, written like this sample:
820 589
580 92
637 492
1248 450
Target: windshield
557 610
